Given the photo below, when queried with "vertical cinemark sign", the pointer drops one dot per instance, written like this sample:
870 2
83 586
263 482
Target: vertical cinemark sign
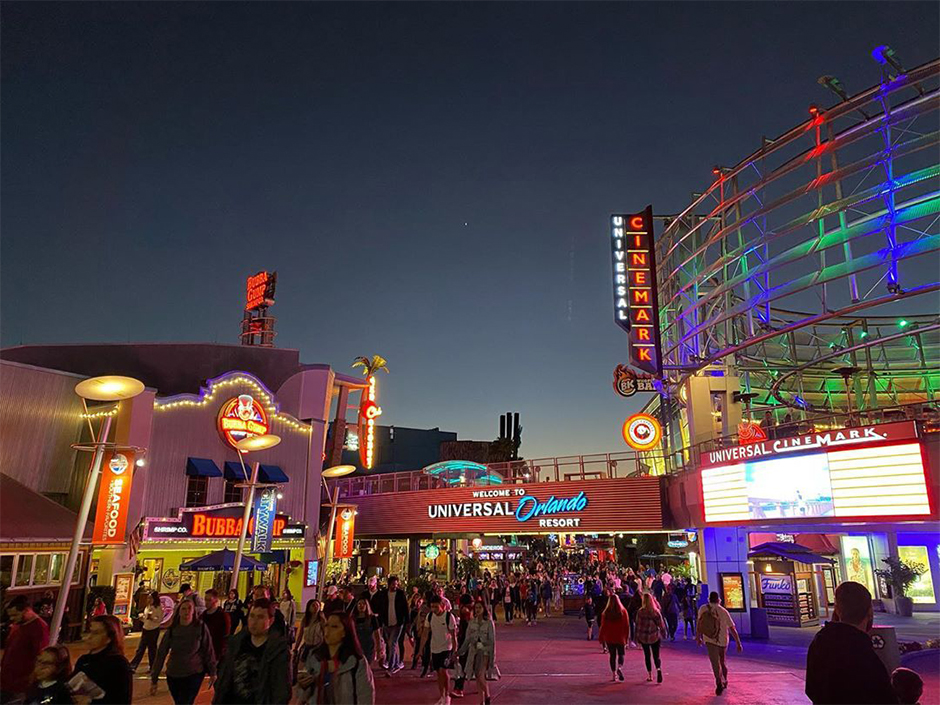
636 305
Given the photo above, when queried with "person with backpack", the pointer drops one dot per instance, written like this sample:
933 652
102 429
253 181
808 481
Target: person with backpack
442 628
650 628
714 626
188 644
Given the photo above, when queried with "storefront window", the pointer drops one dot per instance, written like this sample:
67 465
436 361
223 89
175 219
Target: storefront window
856 558
232 493
6 572
55 568
41 571
24 569
197 490
921 590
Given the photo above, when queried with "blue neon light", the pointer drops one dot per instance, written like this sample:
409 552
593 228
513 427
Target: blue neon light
529 506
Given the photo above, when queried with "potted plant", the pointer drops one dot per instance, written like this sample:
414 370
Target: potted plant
900 576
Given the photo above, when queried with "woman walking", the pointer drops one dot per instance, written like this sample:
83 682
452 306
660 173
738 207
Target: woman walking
650 628
367 629
337 672
309 636
479 647
615 632
188 645
670 609
633 606
235 609
152 617
106 663
288 608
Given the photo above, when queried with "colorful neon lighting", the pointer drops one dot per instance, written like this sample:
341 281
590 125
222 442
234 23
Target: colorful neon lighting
259 290
368 412
642 432
636 308
242 417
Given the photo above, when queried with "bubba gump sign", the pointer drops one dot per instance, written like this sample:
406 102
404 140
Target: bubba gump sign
220 522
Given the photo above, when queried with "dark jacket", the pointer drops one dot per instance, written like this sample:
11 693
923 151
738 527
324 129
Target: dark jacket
842 667
112 673
273 687
380 606
190 652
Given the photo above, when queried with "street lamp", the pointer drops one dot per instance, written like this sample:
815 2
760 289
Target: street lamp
107 388
246 445
335 471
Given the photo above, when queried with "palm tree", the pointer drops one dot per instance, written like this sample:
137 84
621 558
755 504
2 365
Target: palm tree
370 367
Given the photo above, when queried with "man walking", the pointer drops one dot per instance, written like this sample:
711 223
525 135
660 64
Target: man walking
28 636
393 616
255 667
187 593
443 639
218 622
841 664
714 626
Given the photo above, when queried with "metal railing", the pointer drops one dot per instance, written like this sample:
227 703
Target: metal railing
604 466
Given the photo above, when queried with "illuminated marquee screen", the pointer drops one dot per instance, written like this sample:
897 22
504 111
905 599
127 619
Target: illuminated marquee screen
887 480
636 303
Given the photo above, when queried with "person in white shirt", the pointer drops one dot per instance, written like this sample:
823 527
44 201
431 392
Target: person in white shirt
152 617
443 630
713 628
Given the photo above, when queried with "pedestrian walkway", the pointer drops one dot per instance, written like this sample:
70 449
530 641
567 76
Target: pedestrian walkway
553 662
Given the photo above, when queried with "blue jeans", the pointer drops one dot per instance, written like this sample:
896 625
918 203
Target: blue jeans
392 657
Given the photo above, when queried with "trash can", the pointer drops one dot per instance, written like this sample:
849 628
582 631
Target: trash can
759 627
885 642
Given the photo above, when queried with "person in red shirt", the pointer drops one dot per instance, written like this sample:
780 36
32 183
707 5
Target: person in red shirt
28 636
615 632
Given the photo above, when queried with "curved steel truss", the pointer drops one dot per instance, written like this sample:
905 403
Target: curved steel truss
817 253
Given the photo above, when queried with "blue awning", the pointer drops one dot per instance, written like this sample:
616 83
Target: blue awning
202 467
272 473
233 471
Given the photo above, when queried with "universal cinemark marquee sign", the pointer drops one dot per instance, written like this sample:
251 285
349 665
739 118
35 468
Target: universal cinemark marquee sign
636 304
223 521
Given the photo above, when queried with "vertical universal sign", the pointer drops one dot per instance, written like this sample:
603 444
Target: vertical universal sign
636 304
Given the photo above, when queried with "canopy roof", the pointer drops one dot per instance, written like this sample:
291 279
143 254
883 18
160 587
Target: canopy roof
787 551
222 560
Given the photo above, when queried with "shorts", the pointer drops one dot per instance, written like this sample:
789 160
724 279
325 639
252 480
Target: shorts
439 660
590 621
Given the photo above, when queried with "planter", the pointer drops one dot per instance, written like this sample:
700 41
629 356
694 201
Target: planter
905 606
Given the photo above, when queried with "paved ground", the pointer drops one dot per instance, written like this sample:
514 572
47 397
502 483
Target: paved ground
553 662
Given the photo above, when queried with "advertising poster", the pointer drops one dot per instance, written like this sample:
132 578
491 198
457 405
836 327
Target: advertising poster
789 488
732 591
114 495
921 590
265 511
857 559
123 587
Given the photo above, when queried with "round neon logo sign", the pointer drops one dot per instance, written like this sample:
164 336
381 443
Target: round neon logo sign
241 417
118 464
642 432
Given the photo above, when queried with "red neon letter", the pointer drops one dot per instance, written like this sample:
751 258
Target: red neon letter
641 295
199 524
644 355
639 278
643 333
636 222
642 315
638 258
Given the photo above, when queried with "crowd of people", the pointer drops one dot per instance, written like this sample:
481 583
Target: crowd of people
258 651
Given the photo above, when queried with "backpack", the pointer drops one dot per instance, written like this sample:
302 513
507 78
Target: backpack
709 624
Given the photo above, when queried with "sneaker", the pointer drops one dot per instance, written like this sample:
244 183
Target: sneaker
399 667
649 677
659 675
613 677
719 688
456 694
620 674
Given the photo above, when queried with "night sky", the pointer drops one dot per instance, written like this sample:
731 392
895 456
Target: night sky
431 182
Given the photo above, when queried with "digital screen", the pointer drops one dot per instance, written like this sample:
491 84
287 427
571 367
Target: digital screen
732 590
857 560
310 578
921 590
783 489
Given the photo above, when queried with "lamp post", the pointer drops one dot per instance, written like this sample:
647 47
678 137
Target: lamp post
107 388
335 471
246 445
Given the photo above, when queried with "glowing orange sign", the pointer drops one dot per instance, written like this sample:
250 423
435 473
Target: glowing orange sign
642 432
114 495
229 527
259 290
345 531
240 417
368 412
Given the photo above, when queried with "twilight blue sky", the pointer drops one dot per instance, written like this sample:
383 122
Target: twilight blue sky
431 181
